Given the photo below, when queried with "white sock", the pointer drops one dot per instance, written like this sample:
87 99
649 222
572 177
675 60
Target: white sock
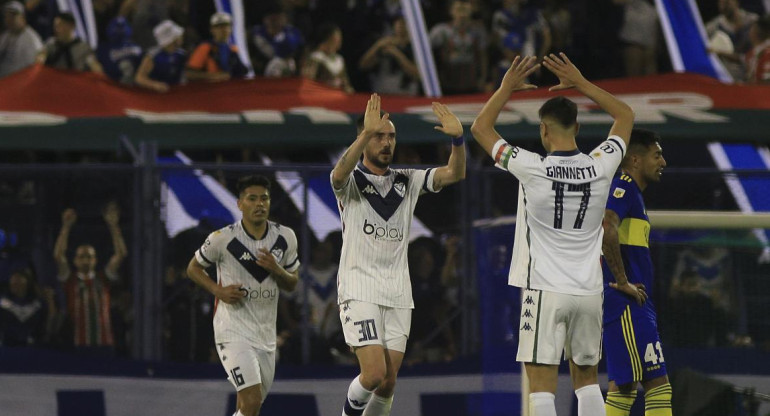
378 406
542 404
590 401
238 413
357 399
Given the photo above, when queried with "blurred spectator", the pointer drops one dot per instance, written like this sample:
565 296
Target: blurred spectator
188 312
560 22
276 45
325 64
25 317
460 51
163 65
758 59
118 54
104 13
527 23
735 23
19 43
12 258
86 290
319 281
39 16
391 62
65 50
701 293
511 48
216 60
431 336
639 35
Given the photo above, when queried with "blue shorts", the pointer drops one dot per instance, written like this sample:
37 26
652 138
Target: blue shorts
632 347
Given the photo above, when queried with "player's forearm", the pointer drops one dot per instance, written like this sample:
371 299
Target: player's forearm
348 161
286 280
197 274
456 163
608 102
118 243
483 128
612 255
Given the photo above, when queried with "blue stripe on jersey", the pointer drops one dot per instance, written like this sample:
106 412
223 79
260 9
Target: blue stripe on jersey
249 261
425 182
388 205
616 144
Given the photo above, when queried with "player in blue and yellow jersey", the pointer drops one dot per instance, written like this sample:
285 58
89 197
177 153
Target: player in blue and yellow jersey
631 341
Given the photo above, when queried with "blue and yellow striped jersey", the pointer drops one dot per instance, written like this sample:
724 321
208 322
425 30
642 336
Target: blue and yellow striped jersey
634 234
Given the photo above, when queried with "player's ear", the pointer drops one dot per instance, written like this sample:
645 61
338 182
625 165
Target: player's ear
577 128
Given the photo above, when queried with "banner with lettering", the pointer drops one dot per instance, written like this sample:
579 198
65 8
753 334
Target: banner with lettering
49 109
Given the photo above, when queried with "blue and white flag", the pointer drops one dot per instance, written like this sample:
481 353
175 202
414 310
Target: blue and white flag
686 39
189 196
423 53
235 9
85 23
750 191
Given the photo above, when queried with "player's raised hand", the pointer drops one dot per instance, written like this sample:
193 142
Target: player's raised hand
635 290
230 294
450 124
515 78
372 120
562 67
111 214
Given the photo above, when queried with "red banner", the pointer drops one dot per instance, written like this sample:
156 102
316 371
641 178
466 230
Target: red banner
74 95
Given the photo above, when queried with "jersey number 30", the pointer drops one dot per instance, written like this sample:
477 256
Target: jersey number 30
558 212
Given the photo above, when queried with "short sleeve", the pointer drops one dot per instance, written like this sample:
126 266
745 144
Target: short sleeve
609 154
211 250
342 192
290 258
425 178
619 198
521 163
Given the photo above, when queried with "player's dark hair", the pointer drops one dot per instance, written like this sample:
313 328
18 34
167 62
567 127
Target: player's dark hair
561 109
66 17
360 122
245 182
641 140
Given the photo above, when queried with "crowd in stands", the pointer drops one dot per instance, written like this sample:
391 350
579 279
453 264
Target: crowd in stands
365 45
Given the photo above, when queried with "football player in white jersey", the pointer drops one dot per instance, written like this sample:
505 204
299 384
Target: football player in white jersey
558 237
254 258
376 206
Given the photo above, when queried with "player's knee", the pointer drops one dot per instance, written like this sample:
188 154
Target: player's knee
250 403
372 378
387 386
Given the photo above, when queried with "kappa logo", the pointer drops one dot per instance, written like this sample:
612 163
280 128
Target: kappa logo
347 319
345 308
529 301
369 189
526 327
399 187
246 256
528 314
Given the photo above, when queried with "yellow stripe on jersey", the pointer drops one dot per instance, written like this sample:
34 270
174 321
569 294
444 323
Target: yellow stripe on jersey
630 339
625 177
634 232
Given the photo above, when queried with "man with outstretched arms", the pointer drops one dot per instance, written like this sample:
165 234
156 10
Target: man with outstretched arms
557 244
376 205
254 258
631 340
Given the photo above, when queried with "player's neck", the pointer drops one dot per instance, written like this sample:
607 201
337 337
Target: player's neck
373 168
256 230
562 145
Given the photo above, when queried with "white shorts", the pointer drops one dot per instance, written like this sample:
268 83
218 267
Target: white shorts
554 322
365 323
247 366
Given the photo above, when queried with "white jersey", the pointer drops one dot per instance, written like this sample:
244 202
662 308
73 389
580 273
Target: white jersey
234 251
562 197
376 213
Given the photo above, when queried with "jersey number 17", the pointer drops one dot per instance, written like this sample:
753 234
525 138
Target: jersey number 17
558 212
